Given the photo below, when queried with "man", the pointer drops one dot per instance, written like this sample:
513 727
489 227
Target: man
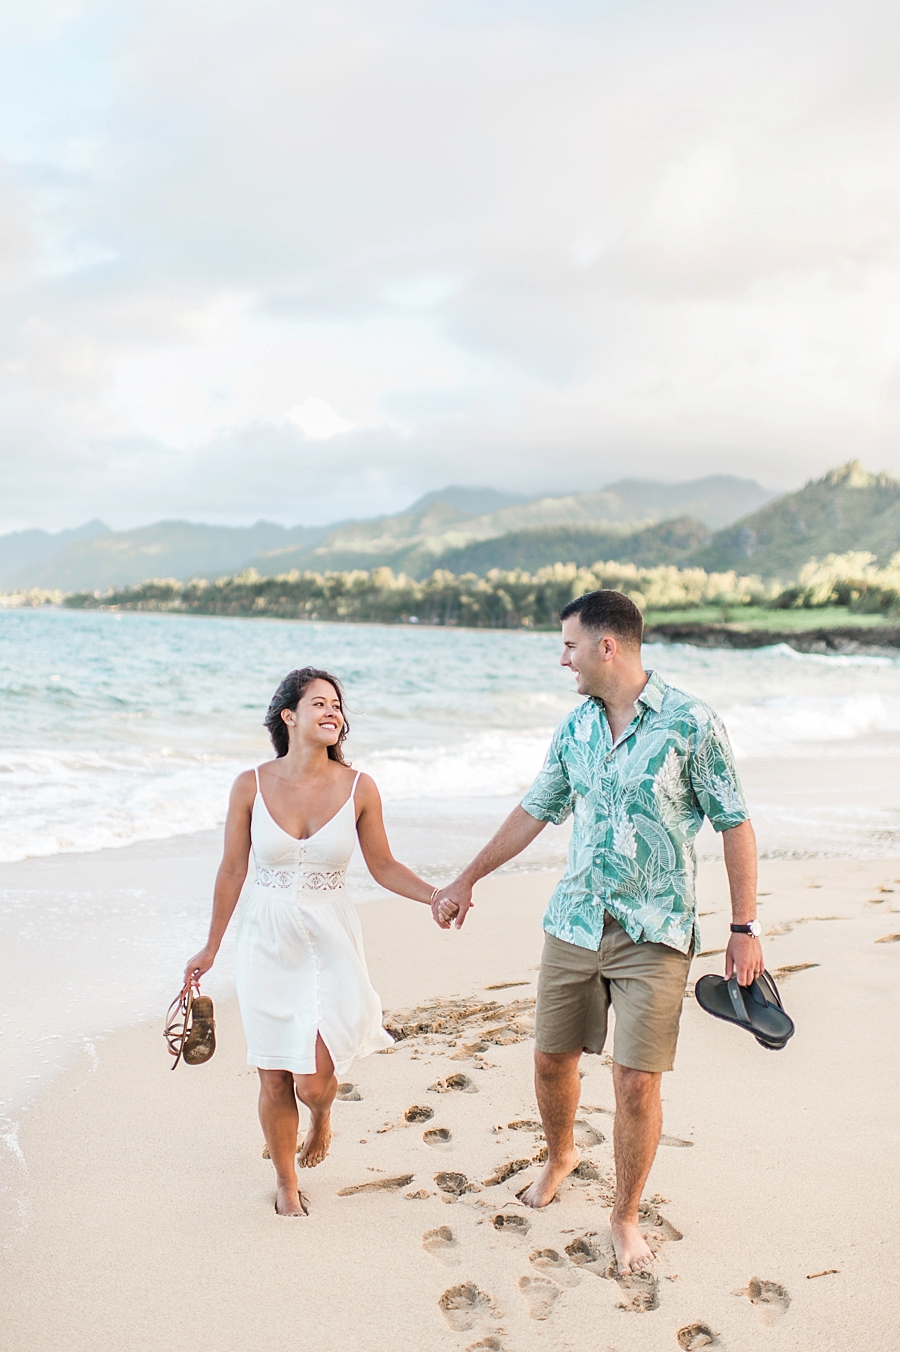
639 764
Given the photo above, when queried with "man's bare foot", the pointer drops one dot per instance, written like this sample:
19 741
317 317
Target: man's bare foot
318 1139
633 1253
288 1201
543 1190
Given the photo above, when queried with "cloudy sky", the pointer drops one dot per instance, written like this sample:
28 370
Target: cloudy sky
304 261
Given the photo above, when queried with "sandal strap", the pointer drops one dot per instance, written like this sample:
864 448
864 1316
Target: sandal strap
769 988
737 1002
178 1020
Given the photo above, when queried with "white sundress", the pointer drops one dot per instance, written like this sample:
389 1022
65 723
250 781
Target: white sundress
300 967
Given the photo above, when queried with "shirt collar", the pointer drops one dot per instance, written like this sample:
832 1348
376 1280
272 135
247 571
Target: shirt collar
653 692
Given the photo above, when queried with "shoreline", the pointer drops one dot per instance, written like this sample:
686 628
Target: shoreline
144 1165
868 640
864 637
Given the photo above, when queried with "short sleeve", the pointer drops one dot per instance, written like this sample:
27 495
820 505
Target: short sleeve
550 797
714 776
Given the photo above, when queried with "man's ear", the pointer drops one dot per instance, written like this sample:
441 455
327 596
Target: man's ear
608 647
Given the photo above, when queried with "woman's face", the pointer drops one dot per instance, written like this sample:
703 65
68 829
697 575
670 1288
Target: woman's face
317 718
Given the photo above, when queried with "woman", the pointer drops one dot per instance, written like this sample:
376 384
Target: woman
307 1004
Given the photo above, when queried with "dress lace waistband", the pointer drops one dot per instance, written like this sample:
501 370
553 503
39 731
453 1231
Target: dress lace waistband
303 880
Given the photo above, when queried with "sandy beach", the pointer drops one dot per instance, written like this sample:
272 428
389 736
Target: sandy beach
147 1208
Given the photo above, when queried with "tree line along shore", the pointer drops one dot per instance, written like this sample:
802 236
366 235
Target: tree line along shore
847 591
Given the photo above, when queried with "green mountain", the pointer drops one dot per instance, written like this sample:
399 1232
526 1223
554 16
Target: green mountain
433 532
848 509
665 542
181 549
441 529
25 549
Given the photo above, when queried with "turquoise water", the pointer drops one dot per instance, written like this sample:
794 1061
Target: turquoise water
116 728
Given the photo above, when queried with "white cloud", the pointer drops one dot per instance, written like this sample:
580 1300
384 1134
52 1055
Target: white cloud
318 420
542 242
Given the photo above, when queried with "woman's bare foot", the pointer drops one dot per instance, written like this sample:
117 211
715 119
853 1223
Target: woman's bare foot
288 1201
633 1253
318 1139
544 1188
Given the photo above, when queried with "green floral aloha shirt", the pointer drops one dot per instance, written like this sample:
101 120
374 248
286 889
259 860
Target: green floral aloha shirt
637 807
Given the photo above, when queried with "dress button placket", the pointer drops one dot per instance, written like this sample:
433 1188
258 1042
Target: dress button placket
307 938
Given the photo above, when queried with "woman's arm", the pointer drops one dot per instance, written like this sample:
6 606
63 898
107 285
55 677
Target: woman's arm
382 865
231 874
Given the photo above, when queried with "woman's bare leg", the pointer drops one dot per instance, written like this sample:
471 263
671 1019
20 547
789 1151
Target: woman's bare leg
317 1092
279 1119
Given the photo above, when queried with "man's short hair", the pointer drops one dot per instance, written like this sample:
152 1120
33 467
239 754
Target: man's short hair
608 612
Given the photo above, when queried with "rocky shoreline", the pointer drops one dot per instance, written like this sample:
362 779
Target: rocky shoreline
859 639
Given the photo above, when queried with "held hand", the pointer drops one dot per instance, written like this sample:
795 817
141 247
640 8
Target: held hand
452 904
199 963
744 958
442 911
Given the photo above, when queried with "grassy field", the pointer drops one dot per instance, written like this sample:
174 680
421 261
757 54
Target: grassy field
778 621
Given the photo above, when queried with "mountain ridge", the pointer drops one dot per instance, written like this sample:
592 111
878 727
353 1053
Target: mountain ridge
848 509
417 539
416 543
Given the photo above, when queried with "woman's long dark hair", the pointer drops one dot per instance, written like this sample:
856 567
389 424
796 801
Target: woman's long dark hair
288 696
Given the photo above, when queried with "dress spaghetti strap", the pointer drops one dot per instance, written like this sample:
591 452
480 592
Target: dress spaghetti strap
256 772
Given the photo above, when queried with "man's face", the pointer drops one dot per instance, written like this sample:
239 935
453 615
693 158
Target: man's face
587 655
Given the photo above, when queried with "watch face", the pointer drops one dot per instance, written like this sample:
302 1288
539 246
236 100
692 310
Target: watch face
755 928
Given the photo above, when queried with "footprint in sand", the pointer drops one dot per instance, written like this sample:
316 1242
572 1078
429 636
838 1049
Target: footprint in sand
458 1082
348 1093
439 1138
650 1220
511 1225
640 1292
418 1113
693 1337
505 1171
586 1135
675 1141
588 1253
539 1295
524 1124
771 1299
454 1185
465 1307
378 1185
552 1264
486 1345
440 1243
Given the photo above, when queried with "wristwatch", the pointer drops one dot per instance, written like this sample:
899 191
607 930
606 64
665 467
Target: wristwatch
754 928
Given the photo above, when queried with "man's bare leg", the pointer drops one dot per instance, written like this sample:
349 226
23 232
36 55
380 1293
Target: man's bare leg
635 1140
558 1088
317 1092
279 1118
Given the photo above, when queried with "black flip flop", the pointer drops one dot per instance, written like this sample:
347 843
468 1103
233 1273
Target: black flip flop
757 1007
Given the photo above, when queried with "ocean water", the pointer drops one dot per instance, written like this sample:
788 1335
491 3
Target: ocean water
118 729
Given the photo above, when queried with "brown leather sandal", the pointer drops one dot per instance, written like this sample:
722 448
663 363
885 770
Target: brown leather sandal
190 1027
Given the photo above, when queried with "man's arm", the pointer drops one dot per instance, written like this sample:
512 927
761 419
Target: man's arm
517 832
744 955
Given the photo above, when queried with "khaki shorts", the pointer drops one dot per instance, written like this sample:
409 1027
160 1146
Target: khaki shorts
643 982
